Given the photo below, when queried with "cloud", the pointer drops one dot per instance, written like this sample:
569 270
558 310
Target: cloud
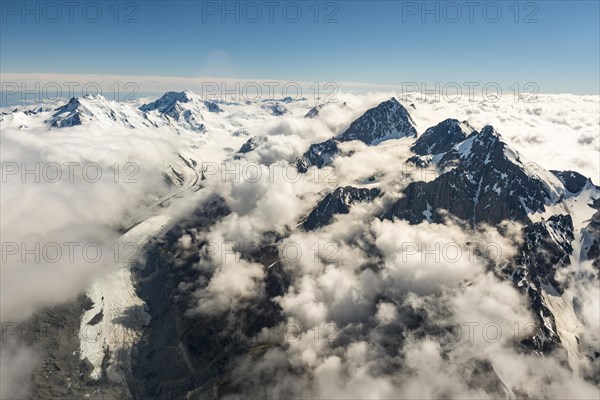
16 362
83 183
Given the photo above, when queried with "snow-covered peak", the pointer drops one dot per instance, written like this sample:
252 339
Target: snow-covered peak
489 147
96 108
483 179
182 110
170 99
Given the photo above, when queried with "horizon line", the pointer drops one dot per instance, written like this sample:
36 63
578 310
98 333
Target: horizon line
152 84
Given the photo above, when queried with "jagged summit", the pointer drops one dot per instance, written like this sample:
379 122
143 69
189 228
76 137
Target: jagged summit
388 120
337 202
316 110
547 246
178 109
442 137
319 155
96 108
169 100
252 143
488 182
573 181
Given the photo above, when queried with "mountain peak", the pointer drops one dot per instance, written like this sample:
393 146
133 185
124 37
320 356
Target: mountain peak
487 182
573 181
95 107
337 202
80 101
442 137
180 109
388 120
170 99
489 130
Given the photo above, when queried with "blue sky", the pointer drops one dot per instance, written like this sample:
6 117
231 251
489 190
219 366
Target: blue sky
552 43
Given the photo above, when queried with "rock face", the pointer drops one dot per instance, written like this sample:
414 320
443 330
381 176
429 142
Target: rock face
389 120
488 184
318 154
213 107
252 144
161 363
60 373
314 112
97 109
573 181
337 202
187 355
420 161
592 230
442 137
546 248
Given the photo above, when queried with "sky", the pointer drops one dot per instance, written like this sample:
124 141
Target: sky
554 44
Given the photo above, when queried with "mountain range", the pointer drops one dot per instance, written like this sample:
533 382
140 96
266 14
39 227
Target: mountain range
482 182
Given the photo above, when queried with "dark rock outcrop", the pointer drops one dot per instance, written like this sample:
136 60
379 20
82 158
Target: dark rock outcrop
574 182
252 143
442 137
592 231
389 120
314 112
318 154
489 184
186 354
213 107
337 202
546 248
